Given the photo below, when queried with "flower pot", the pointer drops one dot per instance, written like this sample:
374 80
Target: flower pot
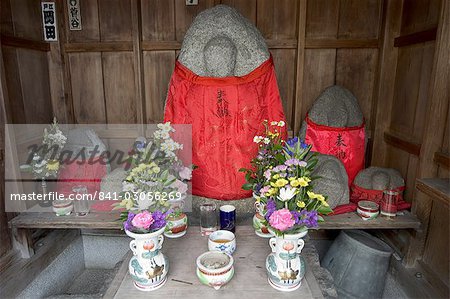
285 267
260 229
176 226
215 268
148 267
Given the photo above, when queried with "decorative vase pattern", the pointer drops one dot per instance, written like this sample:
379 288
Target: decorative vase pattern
260 229
285 267
176 226
148 267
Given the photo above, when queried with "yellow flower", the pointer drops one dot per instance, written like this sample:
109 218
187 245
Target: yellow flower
295 183
319 197
53 165
271 191
156 169
281 182
311 194
304 181
300 204
276 176
127 203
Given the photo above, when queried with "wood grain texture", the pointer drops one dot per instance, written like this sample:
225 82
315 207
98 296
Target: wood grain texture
120 96
115 20
14 102
357 18
23 43
27 19
158 67
415 38
437 189
420 15
90 23
246 7
276 19
285 71
322 19
402 143
158 20
87 88
186 14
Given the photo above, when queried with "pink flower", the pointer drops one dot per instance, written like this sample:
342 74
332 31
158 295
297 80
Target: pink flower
180 186
186 173
143 220
281 219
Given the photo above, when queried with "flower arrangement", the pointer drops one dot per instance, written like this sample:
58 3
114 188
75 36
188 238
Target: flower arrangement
156 177
45 162
281 179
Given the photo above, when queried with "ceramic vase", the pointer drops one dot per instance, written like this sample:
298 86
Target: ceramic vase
148 267
258 221
285 267
176 226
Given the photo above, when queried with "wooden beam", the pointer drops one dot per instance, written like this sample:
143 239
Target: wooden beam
435 125
138 62
442 159
98 47
437 189
385 87
415 38
401 143
340 43
298 103
22 242
160 45
17 42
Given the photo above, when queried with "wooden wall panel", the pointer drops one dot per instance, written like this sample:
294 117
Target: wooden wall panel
36 94
115 20
419 15
120 95
6 22
158 66
322 18
87 88
158 20
186 14
27 19
246 7
355 70
89 18
285 71
276 19
15 102
357 19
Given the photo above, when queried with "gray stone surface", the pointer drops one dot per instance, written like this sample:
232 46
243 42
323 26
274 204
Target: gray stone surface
379 178
333 180
215 36
335 107
112 182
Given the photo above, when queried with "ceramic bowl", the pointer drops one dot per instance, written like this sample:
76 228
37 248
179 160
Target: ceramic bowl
215 268
62 207
222 240
368 210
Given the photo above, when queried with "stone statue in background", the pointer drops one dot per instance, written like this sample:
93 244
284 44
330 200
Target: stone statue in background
378 178
333 180
221 43
335 107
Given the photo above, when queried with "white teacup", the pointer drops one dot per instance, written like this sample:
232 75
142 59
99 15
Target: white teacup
222 240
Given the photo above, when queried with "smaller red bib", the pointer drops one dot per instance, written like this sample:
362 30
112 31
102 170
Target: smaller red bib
347 144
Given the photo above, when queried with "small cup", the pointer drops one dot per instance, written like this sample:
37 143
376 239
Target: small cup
222 240
228 218
368 210
388 205
208 219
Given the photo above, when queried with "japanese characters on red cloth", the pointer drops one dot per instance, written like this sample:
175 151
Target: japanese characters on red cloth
347 144
86 172
225 113
359 193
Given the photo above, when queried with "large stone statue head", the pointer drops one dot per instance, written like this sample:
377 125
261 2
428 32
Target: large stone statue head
378 178
221 43
335 107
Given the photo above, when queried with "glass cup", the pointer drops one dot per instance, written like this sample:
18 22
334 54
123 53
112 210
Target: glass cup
388 205
208 219
80 203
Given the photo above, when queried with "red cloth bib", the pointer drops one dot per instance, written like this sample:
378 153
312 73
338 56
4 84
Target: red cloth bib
225 113
346 144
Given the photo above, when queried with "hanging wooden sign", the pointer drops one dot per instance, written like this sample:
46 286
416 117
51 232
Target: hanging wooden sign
49 21
74 13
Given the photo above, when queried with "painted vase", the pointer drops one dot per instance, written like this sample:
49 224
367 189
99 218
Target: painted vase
285 267
148 267
176 226
215 268
258 221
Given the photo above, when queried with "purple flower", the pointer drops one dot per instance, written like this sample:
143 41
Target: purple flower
303 144
306 218
292 162
279 168
292 142
267 174
302 164
127 224
271 206
160 219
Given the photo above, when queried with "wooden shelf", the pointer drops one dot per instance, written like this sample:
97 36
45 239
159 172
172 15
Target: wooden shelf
109 221
436 188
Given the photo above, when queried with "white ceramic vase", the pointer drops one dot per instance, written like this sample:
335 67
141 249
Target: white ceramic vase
148 267
285 267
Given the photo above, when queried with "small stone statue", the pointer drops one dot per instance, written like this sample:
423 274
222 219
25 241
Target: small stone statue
335 107
378 178
221 42
333 180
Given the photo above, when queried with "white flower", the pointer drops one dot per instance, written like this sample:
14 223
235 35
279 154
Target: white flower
274 123
257 139
266 140
126 186
281 123
287 193
186 173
